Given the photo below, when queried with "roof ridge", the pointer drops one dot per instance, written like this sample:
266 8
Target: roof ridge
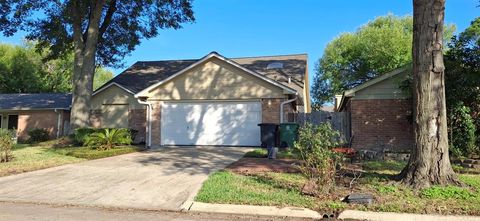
196 59
190 59
264 56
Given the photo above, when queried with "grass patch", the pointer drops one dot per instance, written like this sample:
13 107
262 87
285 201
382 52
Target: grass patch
387 166
91 153
262 153
30 157
227 187
282 189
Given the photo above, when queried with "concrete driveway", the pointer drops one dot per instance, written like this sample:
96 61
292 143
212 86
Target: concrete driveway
163 179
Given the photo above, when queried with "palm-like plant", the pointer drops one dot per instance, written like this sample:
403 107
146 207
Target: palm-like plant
108 138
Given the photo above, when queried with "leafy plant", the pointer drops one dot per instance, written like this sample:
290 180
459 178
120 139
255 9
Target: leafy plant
319 161
38 135
81 134
448 192
108 138
6 144
462 131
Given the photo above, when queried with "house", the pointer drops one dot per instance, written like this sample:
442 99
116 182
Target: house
24 112
213 100
380 114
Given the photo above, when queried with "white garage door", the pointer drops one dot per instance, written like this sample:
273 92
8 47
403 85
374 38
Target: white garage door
212 123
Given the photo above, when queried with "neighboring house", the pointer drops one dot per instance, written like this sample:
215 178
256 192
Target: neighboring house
213 100
380 114
24 112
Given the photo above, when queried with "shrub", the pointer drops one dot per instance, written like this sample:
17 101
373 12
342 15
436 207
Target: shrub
462 131
38 135
319 161
6 144
108 138
81 134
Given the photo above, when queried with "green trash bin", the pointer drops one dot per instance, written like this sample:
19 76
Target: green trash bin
288 134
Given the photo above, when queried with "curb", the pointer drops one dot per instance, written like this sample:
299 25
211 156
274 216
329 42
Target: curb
386 216
254 210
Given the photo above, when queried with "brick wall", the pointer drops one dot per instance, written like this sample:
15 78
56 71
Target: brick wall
37 119
137 120
379 124
271 110
156 126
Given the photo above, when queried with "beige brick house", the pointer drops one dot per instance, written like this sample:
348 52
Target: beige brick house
24 112
380 113
213 100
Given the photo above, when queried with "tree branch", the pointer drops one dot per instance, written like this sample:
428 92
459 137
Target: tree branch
112 7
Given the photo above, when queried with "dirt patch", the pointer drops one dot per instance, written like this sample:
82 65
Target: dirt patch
260 165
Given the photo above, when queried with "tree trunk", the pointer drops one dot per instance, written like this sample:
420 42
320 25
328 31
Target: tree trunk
429 162
85 46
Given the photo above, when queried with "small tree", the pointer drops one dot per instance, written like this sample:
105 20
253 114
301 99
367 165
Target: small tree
319 161
6 144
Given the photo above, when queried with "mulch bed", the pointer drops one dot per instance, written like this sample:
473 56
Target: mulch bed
259 165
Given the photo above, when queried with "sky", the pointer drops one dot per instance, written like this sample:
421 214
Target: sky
243 28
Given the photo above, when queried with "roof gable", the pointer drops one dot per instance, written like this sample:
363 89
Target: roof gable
146 73
145 91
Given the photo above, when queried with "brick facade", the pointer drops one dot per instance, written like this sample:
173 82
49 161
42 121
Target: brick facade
48 119
381 124
137 120
156 125
271 110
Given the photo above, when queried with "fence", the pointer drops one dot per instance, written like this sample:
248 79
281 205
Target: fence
340 121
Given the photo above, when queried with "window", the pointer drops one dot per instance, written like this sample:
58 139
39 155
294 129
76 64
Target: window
12 122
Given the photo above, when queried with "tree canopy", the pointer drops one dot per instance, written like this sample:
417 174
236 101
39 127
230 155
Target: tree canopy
351 59
121 27
25 70
98 32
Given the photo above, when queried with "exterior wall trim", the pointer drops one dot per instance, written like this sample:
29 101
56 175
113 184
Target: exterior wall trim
109 85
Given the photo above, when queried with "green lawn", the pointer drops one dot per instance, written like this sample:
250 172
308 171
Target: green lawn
262 153
280 189
44 155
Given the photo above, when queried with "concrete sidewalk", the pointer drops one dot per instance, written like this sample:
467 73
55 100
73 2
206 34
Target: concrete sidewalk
252 210
384 216
310 214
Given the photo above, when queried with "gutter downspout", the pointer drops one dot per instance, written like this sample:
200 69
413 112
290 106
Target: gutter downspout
59 121
148 142
286 102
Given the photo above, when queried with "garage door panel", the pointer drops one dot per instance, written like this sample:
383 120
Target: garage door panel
218 123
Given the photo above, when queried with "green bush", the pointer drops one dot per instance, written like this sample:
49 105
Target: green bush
319 161
81 134
38 135
108 138
6 144
462 131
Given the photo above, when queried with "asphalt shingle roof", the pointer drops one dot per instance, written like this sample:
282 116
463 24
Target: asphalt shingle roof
35 101
143 74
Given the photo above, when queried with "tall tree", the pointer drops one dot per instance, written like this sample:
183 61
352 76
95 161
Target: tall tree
98 31
429 162
353 58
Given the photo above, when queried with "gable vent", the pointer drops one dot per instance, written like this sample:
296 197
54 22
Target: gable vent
275 65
